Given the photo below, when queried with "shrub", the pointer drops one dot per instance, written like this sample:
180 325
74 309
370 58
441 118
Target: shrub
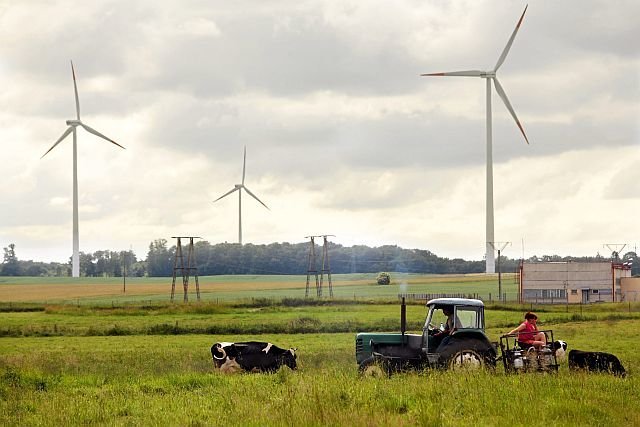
383 278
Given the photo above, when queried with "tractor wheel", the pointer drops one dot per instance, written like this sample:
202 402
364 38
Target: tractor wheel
467 354
371 367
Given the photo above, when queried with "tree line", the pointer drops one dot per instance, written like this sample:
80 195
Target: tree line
274 258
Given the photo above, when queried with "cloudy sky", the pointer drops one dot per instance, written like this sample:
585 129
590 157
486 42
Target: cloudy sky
343 137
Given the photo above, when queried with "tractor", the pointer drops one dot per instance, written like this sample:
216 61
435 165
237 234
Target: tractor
462 344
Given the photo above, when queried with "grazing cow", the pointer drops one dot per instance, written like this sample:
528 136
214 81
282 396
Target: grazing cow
596 362
251 356
559 347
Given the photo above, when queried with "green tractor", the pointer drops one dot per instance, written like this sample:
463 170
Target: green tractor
458 342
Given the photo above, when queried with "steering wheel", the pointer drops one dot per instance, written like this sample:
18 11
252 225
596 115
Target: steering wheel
432 329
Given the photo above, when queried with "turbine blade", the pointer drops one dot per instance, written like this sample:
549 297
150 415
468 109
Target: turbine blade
470 73
64 135
505 52
255 197
226 194
503 95
95 132
244 163
75 89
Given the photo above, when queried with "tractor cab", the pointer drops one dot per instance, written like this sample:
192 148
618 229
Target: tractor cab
448 317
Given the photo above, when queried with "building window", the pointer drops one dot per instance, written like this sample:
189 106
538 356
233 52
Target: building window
594 291
545 294
574 292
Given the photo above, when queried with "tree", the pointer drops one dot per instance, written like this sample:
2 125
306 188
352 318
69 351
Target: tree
10 266
87 267
159 259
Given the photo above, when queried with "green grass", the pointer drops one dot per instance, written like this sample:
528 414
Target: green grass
169 380
268 317
149 364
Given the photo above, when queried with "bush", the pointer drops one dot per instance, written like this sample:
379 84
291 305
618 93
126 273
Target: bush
383 278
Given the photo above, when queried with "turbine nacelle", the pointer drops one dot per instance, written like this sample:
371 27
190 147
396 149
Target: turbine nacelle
488 74
74 123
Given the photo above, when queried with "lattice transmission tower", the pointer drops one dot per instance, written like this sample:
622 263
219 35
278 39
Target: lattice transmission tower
311 267
186 271
326 266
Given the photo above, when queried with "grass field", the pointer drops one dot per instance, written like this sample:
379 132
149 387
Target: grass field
90 363
225 288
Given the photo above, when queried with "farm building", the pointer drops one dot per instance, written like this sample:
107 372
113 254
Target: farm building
572 282
630 289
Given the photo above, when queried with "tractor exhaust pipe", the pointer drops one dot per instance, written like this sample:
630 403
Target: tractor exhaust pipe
403 319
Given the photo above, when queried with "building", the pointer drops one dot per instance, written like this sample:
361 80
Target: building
571 282
630 289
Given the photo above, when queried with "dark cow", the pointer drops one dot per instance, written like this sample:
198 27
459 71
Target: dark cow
251 356
595 361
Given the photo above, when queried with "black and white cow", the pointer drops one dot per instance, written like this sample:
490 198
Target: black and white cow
251 356
559 347
595 361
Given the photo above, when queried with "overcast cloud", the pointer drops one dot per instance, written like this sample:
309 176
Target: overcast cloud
343 137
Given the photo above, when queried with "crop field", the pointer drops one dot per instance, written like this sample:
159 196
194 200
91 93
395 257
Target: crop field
139 364
224 288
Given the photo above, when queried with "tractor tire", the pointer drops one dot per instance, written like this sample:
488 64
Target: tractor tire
371 367
468 354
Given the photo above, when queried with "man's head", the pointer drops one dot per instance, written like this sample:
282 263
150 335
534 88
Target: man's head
448 311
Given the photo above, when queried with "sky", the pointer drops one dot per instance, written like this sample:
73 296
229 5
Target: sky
343 136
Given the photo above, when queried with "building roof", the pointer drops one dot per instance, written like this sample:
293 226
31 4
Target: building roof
455 301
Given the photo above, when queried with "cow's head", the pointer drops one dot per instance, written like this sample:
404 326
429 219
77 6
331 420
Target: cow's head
220 352
559 347
289 358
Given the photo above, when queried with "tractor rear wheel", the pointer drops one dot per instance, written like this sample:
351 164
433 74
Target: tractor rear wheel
467 354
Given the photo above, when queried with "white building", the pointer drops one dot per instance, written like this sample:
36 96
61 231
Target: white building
571 282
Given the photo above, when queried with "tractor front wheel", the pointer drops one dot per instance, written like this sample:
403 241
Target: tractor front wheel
371 367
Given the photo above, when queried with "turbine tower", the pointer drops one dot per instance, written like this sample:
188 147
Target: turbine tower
491 76
73 124
239 188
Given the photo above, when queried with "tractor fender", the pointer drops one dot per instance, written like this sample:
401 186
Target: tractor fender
478 335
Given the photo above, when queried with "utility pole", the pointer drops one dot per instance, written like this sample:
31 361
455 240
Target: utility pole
615 249
499 246
326 268
124 273
311 268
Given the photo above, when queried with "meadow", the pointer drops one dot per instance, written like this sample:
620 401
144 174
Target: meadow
103 290
149 364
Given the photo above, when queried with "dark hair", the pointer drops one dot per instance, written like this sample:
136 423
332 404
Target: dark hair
530 315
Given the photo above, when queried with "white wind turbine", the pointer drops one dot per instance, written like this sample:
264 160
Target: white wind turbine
73 124
239 188
489 76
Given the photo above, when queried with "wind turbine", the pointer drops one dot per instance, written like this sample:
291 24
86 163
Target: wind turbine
73 124
491 76
239 188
